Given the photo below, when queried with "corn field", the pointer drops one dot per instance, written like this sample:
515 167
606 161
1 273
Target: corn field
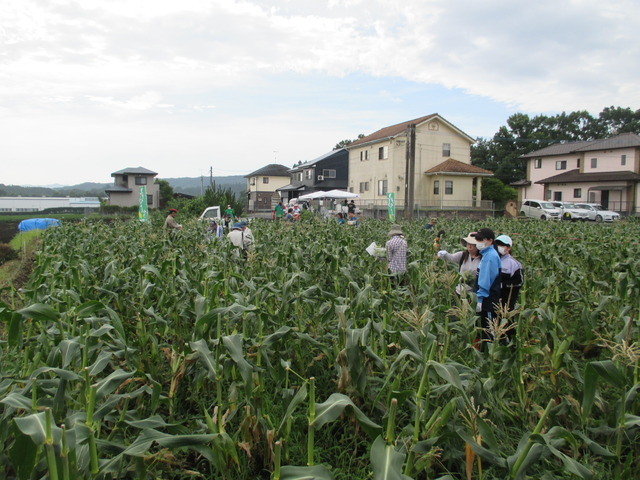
140 355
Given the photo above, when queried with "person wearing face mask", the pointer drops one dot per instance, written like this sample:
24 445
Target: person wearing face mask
467 261
489 281
511 272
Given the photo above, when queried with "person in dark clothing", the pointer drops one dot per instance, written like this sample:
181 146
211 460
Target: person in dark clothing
511 272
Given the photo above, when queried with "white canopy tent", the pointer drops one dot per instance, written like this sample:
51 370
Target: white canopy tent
336 194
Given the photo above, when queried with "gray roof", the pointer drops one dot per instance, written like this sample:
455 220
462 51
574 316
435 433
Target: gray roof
624 140
134 171
118 188
574 176
310 163
273 170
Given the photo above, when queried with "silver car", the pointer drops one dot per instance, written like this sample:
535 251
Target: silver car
570 211
539 209
599 214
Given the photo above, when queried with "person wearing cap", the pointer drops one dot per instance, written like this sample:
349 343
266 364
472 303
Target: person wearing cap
230 213
397 250
214 231
238 239
170 222
249 241
468 261
489 281
510 274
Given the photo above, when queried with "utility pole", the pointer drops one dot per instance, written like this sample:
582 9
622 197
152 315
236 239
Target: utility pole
410 170
211 182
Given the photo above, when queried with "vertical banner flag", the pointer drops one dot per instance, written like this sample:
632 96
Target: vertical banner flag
143 208
391 206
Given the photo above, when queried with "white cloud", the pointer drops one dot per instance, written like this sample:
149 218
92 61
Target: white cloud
213 64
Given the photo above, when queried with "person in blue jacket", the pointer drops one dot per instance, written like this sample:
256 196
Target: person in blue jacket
489 283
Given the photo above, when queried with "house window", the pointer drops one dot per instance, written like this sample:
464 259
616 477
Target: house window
329 173
537 163
446 149
448 187
436 187
141 180
253 181
557 196
299 176
382 187
623 159
561 165
578 163
594 163
547 195
265 179
364 155
308 174
364 187
577 193
149 200
383 153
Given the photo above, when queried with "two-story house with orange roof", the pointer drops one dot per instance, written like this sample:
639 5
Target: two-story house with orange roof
427 159
604 171
127 182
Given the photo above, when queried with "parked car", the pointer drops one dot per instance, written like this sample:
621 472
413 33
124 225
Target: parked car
211 213
540 209
599 214
570 211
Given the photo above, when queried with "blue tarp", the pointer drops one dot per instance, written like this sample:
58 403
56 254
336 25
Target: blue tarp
37 224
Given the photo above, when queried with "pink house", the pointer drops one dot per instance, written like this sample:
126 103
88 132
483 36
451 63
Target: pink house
603 171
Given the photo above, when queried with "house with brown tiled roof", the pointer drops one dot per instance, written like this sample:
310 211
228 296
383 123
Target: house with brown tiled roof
425 162
604 171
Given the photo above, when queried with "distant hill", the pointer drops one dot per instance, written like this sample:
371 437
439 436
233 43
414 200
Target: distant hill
191 186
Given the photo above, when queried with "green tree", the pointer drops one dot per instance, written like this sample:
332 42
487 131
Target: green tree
166 192
193 207
616 120
523 134
345 143
493 189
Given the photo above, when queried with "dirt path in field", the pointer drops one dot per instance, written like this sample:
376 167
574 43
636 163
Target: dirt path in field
15 273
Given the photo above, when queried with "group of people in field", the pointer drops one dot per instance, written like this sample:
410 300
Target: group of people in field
237 233
488 274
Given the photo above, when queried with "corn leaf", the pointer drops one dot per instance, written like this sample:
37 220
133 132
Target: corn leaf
333 407
386 461
316 472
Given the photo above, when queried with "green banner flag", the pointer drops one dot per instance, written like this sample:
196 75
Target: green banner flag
391 206
143 208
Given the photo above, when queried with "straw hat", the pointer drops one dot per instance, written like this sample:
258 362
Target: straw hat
471 238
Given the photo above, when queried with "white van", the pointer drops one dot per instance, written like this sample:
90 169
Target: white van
211 213
540 209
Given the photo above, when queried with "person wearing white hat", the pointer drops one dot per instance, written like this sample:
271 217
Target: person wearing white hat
511 272
397 250
468 261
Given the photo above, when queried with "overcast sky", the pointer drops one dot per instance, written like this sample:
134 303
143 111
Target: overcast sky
89 87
